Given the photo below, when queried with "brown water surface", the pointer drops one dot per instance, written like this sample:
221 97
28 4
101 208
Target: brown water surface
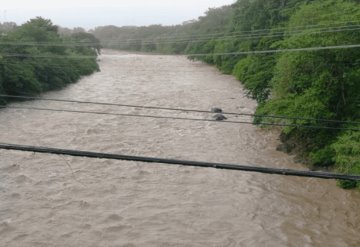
48 200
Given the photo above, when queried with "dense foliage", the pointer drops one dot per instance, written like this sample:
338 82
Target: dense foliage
34 58
321 84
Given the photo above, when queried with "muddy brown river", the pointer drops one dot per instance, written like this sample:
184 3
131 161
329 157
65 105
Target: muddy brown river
49 200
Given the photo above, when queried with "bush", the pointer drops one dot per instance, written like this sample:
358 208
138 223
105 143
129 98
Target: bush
347 155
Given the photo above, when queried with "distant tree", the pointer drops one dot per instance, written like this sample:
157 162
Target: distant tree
88 39
7 27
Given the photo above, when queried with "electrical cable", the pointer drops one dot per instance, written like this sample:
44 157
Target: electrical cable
266 31
160 41
188 39
179 118
169 41
175 109
46 56
224 166
319 48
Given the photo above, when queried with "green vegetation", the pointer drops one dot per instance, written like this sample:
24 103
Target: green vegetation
321 84
34 58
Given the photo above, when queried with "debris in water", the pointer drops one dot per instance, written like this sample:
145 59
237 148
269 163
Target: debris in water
219 117
216 110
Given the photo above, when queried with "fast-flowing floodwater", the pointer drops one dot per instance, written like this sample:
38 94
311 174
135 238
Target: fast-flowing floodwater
49 200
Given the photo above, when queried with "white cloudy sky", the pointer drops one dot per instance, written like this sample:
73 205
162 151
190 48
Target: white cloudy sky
89 14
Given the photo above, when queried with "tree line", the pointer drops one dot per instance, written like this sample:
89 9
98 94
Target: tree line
313 85
35 57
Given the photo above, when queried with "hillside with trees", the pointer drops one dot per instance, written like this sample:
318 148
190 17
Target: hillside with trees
35 58
305 86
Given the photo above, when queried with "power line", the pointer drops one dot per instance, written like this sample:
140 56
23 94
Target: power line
224 166
53 64
190 38
125 67
300 28
176 109
42 65
175 40
179 118
44 68
242 37
318 48
185 40
266 31
295 28
254 33
46 56
51 44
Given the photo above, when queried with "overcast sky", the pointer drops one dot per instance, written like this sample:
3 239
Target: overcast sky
89 14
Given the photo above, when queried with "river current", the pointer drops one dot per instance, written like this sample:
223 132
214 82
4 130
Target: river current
49 200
